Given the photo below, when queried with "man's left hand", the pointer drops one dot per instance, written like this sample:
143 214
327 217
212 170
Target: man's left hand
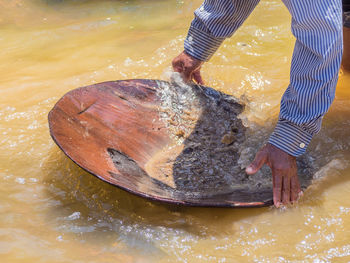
286 186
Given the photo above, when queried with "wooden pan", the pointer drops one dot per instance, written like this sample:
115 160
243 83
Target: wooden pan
113 129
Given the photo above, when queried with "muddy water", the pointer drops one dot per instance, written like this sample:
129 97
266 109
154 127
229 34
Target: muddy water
52 211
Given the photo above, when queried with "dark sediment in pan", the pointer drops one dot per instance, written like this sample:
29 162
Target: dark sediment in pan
210 146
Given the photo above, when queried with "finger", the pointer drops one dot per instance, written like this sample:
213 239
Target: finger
197 77
187 74
277 187
295 188
177 65
259 161
286 190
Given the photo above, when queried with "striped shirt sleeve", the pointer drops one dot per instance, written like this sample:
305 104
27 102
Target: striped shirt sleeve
317 26
214 21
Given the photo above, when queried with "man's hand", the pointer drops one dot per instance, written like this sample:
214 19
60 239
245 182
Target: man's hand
286 187
189 67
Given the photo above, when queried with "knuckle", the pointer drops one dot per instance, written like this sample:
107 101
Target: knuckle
176 64
188 67
280 168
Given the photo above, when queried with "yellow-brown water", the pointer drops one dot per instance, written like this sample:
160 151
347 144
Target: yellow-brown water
52 211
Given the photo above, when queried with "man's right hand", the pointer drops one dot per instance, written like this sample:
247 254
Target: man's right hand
286 186
189 67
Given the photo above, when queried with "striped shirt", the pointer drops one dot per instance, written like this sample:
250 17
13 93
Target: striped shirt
317 26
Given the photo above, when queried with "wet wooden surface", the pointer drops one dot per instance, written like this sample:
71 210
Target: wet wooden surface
113 129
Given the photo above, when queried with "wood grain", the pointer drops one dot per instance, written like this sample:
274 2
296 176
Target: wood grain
112 129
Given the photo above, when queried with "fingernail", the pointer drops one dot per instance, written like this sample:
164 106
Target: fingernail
249 169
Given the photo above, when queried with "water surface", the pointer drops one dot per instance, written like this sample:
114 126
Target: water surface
52 211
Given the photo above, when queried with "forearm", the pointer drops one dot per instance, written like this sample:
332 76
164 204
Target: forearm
314 74
214 21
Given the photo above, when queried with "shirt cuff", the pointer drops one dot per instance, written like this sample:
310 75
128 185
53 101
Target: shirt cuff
290 138
200 44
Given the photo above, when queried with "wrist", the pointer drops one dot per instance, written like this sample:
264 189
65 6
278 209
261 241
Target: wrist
200 44
272 147
290 138
194 59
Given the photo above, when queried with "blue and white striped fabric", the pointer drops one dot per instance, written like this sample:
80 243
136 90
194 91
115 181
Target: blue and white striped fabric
317 26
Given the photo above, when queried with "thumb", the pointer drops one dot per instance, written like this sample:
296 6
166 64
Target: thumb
259 161
186 74
177 66
197 77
